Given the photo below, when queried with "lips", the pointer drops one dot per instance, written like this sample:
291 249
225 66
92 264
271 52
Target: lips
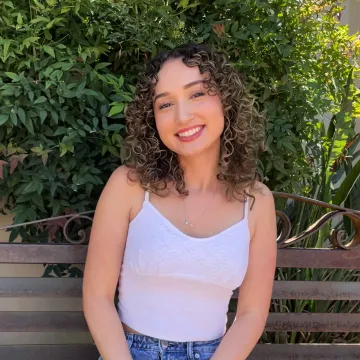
190 133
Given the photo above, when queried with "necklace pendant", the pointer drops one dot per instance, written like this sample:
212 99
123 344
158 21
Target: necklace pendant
188 224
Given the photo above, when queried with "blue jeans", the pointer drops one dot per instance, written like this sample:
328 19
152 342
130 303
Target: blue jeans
147 348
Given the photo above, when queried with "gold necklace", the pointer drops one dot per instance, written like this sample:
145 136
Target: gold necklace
191 224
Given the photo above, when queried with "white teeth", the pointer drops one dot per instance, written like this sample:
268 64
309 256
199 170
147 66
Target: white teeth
190 132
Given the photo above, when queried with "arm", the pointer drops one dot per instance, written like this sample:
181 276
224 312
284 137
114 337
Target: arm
102 267
256 290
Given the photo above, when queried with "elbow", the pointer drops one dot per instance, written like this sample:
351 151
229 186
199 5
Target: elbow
255 319
94 301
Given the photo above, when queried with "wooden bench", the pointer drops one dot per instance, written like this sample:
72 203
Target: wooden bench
74 322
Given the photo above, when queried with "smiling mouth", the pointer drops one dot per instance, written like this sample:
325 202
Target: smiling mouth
189 133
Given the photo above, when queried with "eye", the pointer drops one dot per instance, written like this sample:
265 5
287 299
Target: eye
164 106
198 94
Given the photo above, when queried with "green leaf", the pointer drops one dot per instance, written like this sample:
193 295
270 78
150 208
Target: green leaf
13 117
57 75
340 125
101 65
116 109
30 40
37 149
55 116
169 44
30 187
348 183
115 127
31 96
48 83
49 50
40 99
234 27
14 234
42 114
9 4
38 200
53 188
121 81
51 2
63 114
19 19
22 115
60 131
90 92
67 66
13 76
39 19
29 125
63 149
113 150
3 118
56 207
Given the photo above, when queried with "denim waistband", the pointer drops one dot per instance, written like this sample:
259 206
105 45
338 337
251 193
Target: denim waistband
149 343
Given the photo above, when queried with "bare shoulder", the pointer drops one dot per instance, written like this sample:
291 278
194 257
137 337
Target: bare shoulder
261 189
121 177
263 198
122 192
262 205
123 181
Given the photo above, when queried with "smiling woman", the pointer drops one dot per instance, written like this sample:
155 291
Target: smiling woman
174 227
184 110
188 87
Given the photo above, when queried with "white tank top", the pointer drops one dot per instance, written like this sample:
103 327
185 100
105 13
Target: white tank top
176 287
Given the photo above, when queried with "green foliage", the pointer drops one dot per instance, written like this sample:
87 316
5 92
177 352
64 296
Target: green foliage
64 82
69 67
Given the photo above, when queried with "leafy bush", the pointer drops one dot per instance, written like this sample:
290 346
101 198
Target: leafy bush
69 67
64 84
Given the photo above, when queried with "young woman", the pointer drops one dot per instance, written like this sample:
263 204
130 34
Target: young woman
185 222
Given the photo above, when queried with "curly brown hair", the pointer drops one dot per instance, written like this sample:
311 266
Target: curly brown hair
155 166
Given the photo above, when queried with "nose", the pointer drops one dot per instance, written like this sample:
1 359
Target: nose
183 114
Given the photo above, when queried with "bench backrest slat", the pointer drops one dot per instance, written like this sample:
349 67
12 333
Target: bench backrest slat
72 287
314 290
76 254
53 352
42 321
40 287
306 352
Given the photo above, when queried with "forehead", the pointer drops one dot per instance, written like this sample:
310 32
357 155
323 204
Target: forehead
175 74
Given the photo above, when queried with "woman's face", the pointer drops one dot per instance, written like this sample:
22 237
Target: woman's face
188 119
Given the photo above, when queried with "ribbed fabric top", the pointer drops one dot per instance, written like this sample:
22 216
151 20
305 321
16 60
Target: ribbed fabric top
176 287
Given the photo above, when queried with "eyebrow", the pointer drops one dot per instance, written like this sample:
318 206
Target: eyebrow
189 85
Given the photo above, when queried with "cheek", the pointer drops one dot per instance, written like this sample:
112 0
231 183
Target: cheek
164 127
214 114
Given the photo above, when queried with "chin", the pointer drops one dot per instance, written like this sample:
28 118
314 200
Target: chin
193 151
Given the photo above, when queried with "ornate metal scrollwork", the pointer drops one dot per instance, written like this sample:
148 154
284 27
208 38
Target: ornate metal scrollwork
83 233
63 222
337 236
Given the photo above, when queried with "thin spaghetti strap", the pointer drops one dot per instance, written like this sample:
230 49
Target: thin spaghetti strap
246 207
146 198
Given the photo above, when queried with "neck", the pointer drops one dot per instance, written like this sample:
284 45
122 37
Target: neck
200 171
